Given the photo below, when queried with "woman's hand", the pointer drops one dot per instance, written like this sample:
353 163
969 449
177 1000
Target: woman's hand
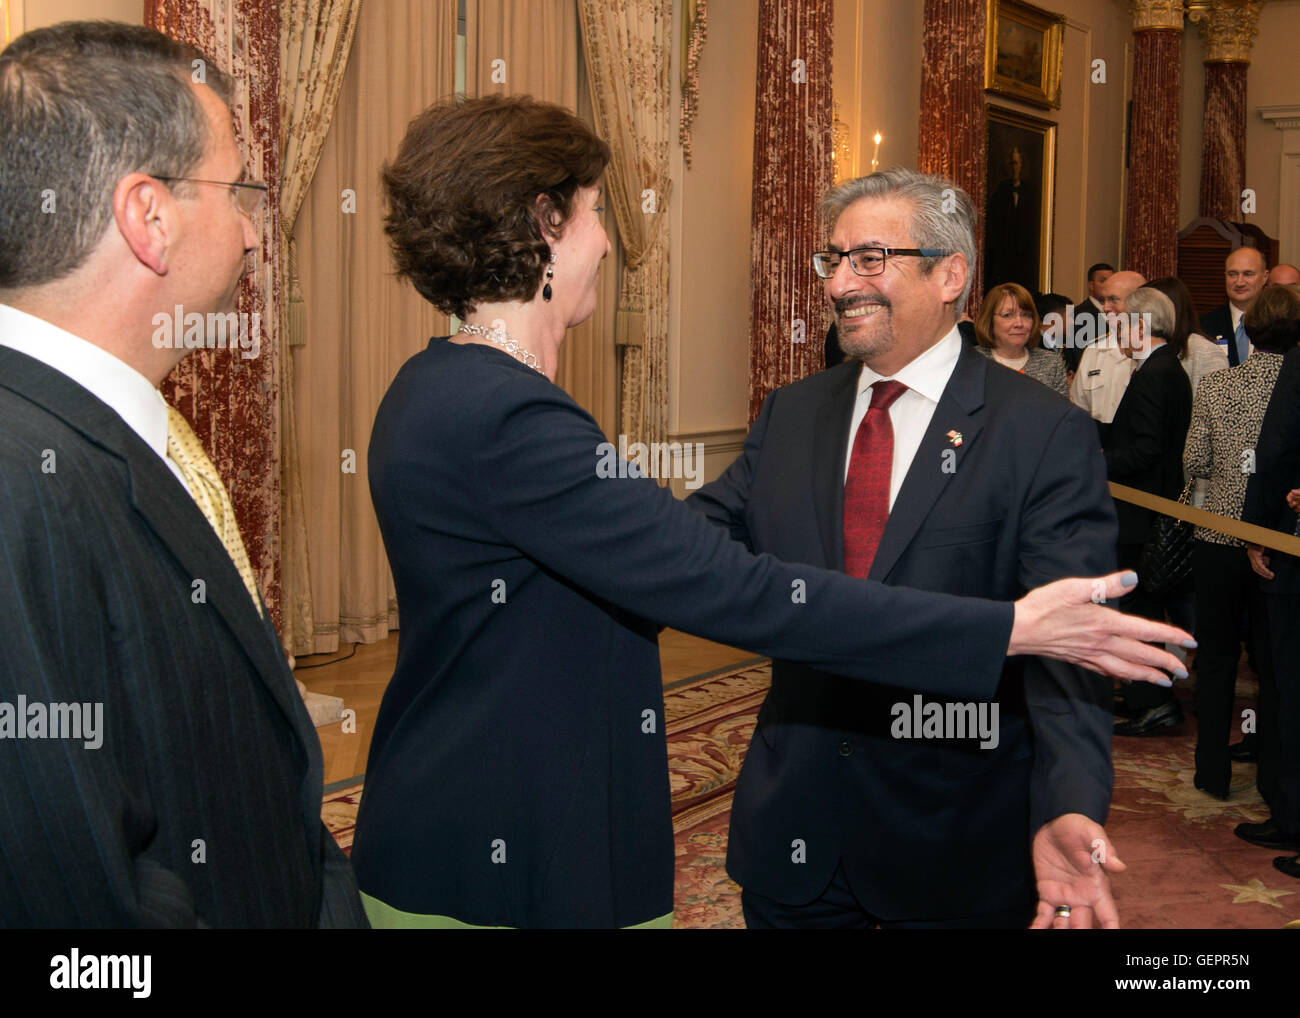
1067 620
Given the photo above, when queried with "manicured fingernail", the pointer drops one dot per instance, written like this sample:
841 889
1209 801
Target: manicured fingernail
1129 579
1180 673
1166 682
1189 644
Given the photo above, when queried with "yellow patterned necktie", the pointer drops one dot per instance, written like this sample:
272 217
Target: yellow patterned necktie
209 494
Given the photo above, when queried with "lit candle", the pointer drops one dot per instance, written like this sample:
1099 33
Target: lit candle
875 155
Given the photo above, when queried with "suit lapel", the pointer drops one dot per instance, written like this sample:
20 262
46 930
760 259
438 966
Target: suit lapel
959 411
830 447
158 497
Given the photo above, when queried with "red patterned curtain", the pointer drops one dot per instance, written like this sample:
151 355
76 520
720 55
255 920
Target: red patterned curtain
792 171
952 140
232 402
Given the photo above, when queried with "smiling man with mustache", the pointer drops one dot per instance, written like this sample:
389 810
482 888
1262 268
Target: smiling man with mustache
919 462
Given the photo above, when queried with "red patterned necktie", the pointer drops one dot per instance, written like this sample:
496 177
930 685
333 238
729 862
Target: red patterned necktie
866 490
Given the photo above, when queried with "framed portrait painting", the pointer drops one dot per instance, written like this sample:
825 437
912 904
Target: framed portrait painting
1020 188
1022 52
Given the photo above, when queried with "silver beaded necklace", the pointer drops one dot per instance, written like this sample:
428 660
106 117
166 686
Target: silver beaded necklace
503 339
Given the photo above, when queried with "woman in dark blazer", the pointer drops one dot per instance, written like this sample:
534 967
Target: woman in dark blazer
518 770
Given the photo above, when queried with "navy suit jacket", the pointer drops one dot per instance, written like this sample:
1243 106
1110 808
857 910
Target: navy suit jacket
924 829
1144 447
1277 471
1217 325
202 805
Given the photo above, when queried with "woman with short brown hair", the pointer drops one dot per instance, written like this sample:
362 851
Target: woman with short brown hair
1008 331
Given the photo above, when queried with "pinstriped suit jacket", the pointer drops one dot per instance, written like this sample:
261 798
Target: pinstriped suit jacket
202 805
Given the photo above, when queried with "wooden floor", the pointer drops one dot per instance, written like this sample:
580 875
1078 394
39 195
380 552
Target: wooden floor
360 678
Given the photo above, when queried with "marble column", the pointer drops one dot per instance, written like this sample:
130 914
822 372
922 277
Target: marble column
1228 28
951 140
1151 209
792 172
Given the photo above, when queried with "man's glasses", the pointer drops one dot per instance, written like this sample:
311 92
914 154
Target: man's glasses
249 195
868 261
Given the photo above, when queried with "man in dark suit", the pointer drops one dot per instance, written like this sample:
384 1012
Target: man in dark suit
1089 308
1144 450
1245 273
1277 473
920 463
181 785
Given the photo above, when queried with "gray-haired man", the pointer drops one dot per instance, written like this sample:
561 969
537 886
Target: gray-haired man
920 463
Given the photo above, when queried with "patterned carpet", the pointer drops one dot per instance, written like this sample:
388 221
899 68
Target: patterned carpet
1186 869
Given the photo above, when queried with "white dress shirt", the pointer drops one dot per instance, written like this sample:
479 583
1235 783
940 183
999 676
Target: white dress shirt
132 396
1102 378
926 377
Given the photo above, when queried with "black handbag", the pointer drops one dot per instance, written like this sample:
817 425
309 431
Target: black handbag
1167 556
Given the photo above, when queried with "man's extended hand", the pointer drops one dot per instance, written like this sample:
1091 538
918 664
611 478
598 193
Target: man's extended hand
1067 620
1072 857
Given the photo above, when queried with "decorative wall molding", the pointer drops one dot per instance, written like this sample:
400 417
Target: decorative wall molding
1287 120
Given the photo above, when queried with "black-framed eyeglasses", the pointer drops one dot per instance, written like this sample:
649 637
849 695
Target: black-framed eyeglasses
868 261
249 194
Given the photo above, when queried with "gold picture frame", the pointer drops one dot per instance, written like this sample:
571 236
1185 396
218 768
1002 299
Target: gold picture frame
1022 52
11 21
1020 203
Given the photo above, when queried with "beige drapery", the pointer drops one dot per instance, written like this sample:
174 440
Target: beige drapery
533 47
362 323
626 44
315 41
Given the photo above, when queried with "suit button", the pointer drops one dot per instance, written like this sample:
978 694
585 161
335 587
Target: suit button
846 749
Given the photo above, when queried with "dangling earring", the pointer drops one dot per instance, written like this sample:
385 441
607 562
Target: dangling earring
550 274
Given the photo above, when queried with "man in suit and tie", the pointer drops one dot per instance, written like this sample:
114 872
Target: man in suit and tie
1097 275
126 596
1245 273
920 463
1089 323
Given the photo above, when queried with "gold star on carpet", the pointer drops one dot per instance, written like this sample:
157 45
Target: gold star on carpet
1256 891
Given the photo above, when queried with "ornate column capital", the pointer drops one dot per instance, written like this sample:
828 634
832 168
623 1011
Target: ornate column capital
1228 27
1151 14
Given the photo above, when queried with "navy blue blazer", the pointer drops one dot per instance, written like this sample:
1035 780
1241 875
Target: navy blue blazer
518 770
1216 325
202 805
1144 446
1277 471
1007 492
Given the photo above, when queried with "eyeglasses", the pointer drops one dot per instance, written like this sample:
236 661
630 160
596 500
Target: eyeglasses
249 195
868 261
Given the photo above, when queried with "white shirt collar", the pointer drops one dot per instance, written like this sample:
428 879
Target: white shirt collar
132 396
927 373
